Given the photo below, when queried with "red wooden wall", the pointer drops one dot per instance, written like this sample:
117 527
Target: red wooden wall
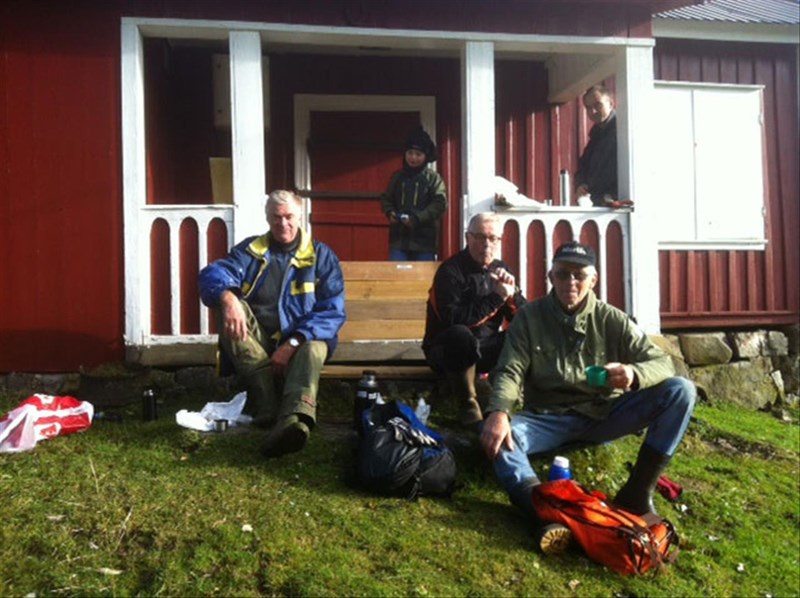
61 299
724 288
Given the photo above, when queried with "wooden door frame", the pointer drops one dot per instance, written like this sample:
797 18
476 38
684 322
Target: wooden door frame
305 104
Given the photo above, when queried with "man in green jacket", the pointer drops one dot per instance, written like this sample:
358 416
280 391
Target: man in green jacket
547 349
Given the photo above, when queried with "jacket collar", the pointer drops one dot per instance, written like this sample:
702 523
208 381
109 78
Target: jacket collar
304 255
578 320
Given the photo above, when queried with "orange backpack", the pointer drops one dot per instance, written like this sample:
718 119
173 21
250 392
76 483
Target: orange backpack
627 543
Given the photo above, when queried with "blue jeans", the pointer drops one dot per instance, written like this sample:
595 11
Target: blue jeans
663 409
400 255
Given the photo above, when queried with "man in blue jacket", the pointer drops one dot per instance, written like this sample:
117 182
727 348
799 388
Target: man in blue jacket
279 302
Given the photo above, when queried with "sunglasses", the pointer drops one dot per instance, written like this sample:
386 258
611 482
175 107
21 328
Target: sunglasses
565 275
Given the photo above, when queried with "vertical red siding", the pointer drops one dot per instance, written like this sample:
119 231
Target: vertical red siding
60 187
217 248
742 287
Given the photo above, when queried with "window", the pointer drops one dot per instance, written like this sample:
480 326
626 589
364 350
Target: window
710 166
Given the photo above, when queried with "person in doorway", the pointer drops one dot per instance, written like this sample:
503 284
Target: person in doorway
547 349
278 299
597 166
414 201
473 295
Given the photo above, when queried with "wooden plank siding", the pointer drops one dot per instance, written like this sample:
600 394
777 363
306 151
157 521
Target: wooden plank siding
61 303
741 288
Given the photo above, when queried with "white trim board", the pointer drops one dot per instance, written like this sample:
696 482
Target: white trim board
284 33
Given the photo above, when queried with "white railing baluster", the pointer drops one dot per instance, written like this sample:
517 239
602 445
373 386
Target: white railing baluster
602 258
175 216
577 218
202 259
175 225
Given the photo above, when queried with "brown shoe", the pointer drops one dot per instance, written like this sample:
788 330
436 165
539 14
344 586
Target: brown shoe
288 436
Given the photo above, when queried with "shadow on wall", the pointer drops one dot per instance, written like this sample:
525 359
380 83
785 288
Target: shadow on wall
55 351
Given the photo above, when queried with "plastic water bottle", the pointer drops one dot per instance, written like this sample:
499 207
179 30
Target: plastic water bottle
560 469
423 410
367 394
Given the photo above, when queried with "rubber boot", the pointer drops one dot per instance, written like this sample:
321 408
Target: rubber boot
636 496
289 435
462 385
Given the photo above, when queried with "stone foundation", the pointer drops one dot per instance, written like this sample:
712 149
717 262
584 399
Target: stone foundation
757 369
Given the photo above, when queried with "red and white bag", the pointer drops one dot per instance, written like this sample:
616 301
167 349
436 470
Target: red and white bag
40 417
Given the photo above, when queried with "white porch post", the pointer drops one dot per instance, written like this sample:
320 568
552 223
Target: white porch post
477 115
636 152
247 134
134 183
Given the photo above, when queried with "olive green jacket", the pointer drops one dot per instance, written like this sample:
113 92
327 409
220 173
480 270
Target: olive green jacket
546 352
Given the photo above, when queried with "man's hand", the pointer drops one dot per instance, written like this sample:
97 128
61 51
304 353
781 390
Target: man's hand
581 190
505 284
393 217
496 433
279 360
234 323
620 375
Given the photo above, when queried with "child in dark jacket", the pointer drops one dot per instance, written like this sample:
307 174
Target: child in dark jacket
414 201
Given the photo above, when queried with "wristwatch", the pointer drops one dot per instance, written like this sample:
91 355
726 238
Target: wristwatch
293 342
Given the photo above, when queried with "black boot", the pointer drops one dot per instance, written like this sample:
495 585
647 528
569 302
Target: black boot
636 496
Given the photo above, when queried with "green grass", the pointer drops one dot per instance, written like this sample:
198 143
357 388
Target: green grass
151 509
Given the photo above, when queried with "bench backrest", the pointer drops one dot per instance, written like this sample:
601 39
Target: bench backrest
386 300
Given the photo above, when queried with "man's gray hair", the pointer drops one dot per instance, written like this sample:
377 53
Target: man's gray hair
281 197
481 218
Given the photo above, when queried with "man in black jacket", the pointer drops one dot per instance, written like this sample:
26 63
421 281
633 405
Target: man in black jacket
473 295
597 166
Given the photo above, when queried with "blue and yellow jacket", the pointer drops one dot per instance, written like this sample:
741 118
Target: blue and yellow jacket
312 300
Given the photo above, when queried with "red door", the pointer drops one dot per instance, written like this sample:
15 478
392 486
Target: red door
353 155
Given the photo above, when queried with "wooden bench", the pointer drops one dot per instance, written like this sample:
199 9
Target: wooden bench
385 304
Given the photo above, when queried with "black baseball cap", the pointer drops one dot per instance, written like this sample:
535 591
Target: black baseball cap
575 253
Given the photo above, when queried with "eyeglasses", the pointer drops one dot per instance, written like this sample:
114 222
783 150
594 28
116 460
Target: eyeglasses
481 238
565 275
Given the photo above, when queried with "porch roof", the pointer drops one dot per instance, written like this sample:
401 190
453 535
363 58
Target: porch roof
773 12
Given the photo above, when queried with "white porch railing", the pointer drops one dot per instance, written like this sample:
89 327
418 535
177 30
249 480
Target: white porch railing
174 216
576 218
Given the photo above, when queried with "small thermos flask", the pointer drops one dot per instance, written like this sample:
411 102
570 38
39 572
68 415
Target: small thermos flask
149 412
560 469
366 395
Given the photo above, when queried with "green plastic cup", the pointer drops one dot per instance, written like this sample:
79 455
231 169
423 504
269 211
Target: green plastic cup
596 375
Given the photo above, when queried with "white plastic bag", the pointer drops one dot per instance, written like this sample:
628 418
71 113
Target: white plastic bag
40 417
204 420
